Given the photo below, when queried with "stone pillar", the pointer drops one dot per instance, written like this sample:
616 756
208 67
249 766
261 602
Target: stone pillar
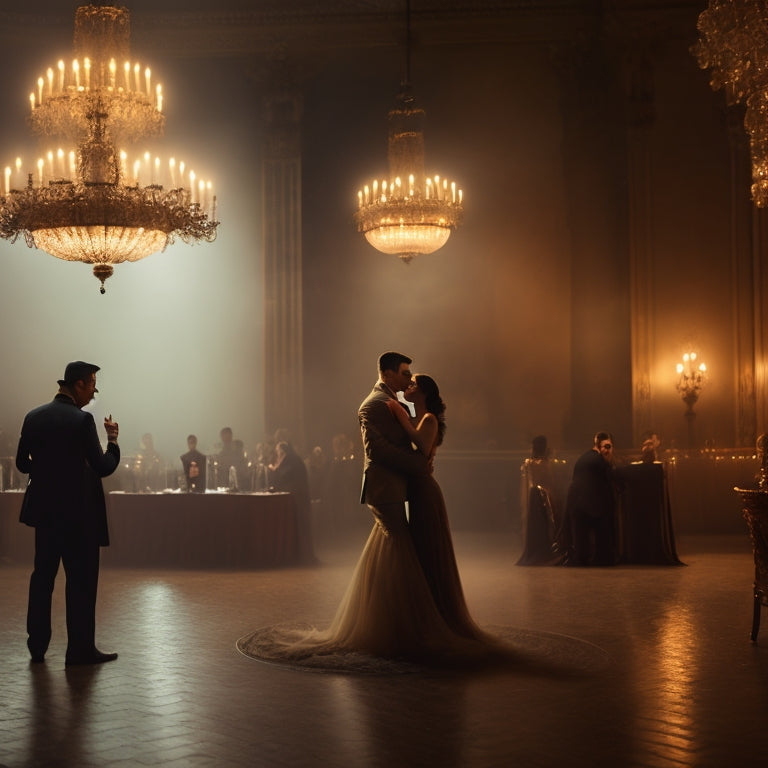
639 94
760 325
281 242
594 167
744 258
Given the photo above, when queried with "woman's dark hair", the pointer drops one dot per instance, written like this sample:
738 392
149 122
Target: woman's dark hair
286 448
432 402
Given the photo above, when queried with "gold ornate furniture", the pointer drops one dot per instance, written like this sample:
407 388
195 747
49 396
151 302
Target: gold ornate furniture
756 514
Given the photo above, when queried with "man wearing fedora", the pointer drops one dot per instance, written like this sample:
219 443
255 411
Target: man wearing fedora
64 502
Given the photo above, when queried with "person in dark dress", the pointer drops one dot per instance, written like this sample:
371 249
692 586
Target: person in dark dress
64 502
590 507
194 466
428 520
289 474
229 468
149 468
539 519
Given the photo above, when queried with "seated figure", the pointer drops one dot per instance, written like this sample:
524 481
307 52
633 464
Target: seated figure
539 518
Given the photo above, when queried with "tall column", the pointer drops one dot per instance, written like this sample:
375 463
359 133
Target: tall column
640 116
594 167
760 297
743 249
281 226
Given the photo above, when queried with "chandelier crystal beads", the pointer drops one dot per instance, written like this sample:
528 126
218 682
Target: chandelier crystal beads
409 213
92 202
733 45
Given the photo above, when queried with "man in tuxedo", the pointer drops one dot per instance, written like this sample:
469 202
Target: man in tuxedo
64 502
194 464
388 457
590 506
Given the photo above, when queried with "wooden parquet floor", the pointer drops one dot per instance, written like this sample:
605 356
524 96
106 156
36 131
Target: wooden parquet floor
684 685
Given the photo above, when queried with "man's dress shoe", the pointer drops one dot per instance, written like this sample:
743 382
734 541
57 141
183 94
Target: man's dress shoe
37 652
95 657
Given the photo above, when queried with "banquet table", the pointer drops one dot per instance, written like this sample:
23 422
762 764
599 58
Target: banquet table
17 541
645 534
179 530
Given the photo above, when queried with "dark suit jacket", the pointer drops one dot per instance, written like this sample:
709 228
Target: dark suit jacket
200 460
61 452
389 458
591 493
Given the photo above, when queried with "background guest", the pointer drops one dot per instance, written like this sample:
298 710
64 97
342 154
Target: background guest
649 445
64 502
194 466
149 467
317 471
260 472
539 524
591 508
289 473
343 489
6 461
241 476
230 462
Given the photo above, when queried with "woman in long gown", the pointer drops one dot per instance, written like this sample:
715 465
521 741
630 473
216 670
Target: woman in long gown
428 519
399 604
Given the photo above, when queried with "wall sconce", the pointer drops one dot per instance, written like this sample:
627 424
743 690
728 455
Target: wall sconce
692 378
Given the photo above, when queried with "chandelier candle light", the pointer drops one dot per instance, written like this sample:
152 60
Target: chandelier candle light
692 378
409 213
91 201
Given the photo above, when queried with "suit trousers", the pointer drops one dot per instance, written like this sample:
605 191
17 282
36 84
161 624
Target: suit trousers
78 550
594 539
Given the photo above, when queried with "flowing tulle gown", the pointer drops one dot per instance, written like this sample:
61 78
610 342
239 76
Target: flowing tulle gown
389 610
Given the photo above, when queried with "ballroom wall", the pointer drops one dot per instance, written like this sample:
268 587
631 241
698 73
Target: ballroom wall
587 166
488 315
603 232
178 335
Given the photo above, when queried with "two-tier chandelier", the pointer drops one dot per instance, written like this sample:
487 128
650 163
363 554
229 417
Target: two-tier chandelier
733 44
408 213
91 202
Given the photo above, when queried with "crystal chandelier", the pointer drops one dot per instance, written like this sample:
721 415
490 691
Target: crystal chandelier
92 202
733 44
408 213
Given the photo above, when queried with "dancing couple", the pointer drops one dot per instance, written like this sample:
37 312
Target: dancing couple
405 600
407 576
